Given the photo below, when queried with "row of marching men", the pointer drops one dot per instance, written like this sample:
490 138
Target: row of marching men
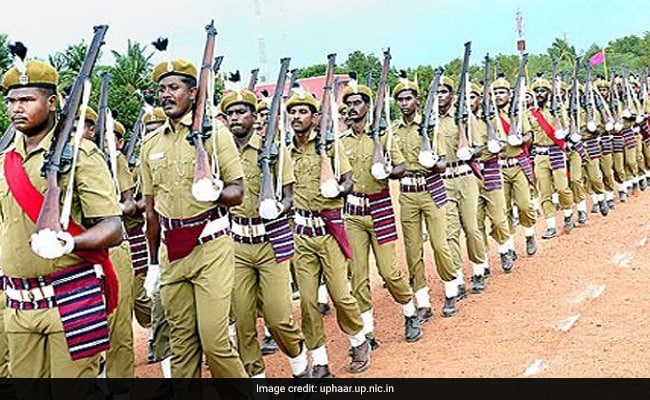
227 210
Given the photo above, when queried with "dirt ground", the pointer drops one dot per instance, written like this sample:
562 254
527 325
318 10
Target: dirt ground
578 308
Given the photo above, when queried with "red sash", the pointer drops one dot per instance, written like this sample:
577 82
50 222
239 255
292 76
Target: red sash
548 129
31 202
506 127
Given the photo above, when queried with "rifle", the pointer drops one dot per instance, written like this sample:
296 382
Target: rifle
574 106
102 109
7 138
604 110
288 131
515 137
267 201
643 92
428 156
329 186
206 186
253 80
135 138
590 101
494 145
464 151
614 102
50 221
381 165
556 104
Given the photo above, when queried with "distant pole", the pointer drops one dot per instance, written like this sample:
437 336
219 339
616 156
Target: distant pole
519 28
261 45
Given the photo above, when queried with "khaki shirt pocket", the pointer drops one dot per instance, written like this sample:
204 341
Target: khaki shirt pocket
160 175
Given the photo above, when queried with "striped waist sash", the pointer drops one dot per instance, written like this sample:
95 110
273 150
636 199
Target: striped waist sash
138 245
380 208
555 154
431 183
256 230
492 177
77 294
629 137
593 148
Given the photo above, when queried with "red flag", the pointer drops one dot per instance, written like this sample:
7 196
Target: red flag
597 58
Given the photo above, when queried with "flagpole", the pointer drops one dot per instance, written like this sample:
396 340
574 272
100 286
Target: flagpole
605 64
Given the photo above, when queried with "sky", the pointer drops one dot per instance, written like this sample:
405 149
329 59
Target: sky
418 32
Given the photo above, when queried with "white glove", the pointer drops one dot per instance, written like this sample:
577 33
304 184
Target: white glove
152 280
271 209
207 189
380 171
51 245
330 189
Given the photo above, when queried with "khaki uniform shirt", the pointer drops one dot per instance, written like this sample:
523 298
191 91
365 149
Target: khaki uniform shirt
360 150
540 137
93 197
253 176
306 167
168 161
410 143
511 151
449 130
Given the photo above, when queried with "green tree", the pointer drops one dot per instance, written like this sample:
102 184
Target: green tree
5 64
69 63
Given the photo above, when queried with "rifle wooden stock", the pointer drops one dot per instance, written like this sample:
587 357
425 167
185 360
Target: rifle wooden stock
488 111
429 105
202 169
266 190
7 138
49 215
574 103
378 155
590 102
102 108
326 172
462 111
253 80
135 139
515 111
556 104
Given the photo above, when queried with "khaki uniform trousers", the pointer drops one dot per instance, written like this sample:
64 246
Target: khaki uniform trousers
141 302
38 349
363 239
631 164
313 255
160 327
4 348
576 182
492 204
640 158
620 172
259 279
414 208
463 193
516 189
593 176
645 156
196 293
607 168
549 181
120 357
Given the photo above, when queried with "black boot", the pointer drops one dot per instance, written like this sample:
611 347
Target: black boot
478 284
531 245
507 262
412 329
604 208
550 233
568 224
582 217
449 308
